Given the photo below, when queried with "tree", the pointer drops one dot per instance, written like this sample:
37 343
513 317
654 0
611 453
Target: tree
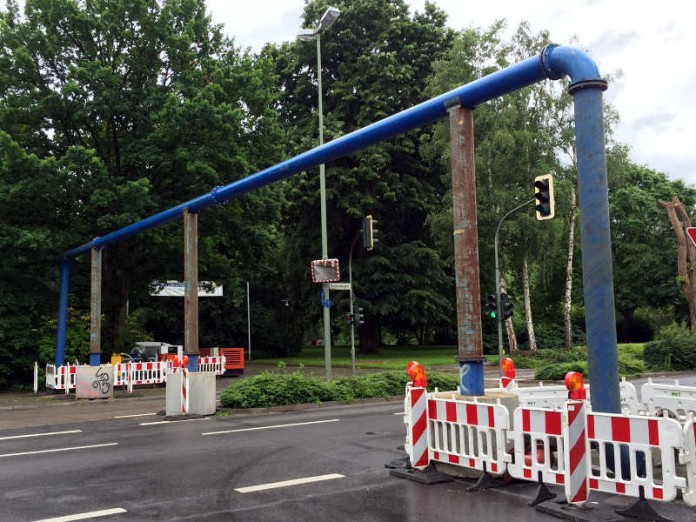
133 107
375 60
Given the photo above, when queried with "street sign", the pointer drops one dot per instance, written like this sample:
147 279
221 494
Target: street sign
691 232
339 286
325 271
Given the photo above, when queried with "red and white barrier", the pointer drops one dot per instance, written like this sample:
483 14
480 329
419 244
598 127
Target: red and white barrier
214 364
184 391
633 452
61 378
537 436
416 419
576 450
468 434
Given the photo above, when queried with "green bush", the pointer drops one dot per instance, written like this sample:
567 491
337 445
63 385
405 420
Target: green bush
557 372
674 349
279 389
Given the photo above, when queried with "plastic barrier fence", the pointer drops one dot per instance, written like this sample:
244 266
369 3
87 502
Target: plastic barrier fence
678 400
583 451
554 397
539 446
61 378
469 434
212 364
689 495
631 453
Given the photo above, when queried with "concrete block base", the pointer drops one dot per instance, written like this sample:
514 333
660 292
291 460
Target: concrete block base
201 394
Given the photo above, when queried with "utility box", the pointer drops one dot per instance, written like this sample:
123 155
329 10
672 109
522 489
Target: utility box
201 392
94 382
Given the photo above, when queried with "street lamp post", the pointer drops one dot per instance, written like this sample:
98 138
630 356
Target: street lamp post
327 20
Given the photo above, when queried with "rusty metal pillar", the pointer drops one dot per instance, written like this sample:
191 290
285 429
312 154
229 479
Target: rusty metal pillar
191 289
95 308
466 252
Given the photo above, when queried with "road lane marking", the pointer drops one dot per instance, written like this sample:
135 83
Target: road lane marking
55 450
270 427
134 415
171 421
40 434
399 413
85 516
286 483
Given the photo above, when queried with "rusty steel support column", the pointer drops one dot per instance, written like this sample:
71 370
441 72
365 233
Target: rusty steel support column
191 289
466 258
95 308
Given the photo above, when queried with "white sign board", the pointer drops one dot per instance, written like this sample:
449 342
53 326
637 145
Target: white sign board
339 286
178 289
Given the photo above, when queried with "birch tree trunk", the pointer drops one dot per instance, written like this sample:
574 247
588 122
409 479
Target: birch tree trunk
528 304
568 297
509 327
685 250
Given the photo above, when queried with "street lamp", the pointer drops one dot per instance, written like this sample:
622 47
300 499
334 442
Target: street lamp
327 20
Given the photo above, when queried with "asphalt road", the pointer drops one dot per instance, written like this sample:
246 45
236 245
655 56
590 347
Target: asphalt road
232 468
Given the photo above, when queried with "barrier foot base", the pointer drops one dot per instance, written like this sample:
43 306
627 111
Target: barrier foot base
543 493
402 463
426 476
642 510
486 481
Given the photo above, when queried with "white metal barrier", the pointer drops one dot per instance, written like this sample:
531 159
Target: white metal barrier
61 378
468 434
678 400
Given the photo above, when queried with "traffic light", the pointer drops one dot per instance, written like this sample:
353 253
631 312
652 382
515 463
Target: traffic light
359 317
543 193
505 306
350 319
369 232
492 307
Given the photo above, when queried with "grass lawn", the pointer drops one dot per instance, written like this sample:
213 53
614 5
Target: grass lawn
388 358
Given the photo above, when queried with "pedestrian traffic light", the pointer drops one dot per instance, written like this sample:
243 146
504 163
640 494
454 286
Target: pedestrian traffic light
359 317
543 193
350 319
369 232
492 307
505 306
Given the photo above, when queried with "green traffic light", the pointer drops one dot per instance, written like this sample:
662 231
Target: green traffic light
493 315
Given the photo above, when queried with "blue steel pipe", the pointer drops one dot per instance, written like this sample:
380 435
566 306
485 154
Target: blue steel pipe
62 329
554 62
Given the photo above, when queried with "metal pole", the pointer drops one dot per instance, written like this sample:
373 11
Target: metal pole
466 257
248 320
352 298
498 314
95 309
324 238
191 289
62 326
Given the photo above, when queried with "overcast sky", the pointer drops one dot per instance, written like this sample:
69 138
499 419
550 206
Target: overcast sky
652 43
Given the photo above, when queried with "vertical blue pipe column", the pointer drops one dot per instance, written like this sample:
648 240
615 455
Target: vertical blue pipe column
65 266
600 318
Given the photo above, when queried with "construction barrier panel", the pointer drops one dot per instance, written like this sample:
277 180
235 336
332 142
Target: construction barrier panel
689 495
576 451
678 400
468 434
538 446
61 378
214 364
416 419
630 453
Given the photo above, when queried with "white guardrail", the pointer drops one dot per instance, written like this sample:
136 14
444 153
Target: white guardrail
563 443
